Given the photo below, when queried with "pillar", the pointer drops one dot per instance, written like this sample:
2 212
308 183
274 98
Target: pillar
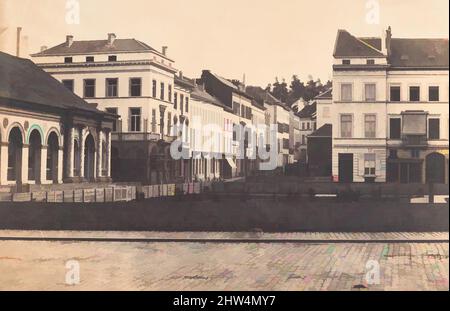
82 146
24 168
3 163
70 154
99 157
60 164
43 178
108 152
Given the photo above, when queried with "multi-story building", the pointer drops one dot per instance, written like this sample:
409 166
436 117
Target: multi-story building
129 78
246 111
324 103
390 109
308 124
48 135
276 113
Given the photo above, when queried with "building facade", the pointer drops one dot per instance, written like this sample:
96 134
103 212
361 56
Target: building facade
308 124
390 109
131 79
48 135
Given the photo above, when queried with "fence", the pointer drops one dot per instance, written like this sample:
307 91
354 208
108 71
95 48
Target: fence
92 195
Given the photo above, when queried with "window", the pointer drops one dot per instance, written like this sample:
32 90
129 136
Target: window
154 88
393 154
346 92
370 62
181 102
395 93
370 123
68 60
170 93
242 111
162 94
113 111
135 119
175 100
395 128
89 59
346 62
135 87
433 93
370 92
112 58
186 108
69 84
303 126
369 164
433 129
112 87
346 125
414 93
89 88
308 125
153 120
415 153
236 108
169 123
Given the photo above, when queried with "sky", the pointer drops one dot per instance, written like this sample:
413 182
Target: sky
261 39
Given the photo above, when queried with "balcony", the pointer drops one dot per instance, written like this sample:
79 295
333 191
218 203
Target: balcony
135 136
415 141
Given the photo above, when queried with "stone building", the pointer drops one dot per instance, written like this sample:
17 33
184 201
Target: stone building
390 109
48 134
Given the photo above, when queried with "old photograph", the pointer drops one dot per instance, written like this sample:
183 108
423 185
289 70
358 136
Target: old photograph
228 145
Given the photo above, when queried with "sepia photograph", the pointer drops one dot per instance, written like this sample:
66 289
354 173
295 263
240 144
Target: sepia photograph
226 152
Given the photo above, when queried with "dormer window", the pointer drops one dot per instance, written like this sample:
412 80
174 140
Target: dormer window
89 59
370 62
346 62
112 58
68 60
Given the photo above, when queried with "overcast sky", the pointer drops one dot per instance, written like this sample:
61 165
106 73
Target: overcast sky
262 38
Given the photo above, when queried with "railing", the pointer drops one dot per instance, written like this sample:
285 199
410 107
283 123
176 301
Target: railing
134 136
415 141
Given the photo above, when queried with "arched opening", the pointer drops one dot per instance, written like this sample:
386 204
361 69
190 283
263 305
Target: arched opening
15 145
76 158
34 156
52 158
89 158
104 160
115 164
435 168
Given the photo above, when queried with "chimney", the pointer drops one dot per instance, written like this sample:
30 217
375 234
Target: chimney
111 38
164 50
69 41
19 31
180 74
43 48
388 41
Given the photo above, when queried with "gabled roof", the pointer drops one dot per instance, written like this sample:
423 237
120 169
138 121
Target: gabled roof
308 111
21 81
328 94
348 45
325 130
262 96
97 46
199 94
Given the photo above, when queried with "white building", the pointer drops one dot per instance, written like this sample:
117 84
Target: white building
390 109
308 124
129 78
48 135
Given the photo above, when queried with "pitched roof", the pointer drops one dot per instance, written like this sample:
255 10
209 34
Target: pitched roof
200 94
348 45
308 110
262 95
419 53
328 94
22 81
405 53
97 46
325 130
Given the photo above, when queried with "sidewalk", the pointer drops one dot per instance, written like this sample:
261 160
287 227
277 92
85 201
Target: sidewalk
226 237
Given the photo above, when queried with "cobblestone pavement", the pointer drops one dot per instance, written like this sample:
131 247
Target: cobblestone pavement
41 265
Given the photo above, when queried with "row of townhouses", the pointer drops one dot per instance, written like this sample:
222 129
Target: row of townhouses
158 108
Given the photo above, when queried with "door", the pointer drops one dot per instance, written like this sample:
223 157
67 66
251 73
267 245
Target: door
435 168
346 167
404 173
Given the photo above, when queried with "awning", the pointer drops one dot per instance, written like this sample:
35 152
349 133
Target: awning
231 163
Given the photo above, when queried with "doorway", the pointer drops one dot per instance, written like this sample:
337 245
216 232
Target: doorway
345 167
